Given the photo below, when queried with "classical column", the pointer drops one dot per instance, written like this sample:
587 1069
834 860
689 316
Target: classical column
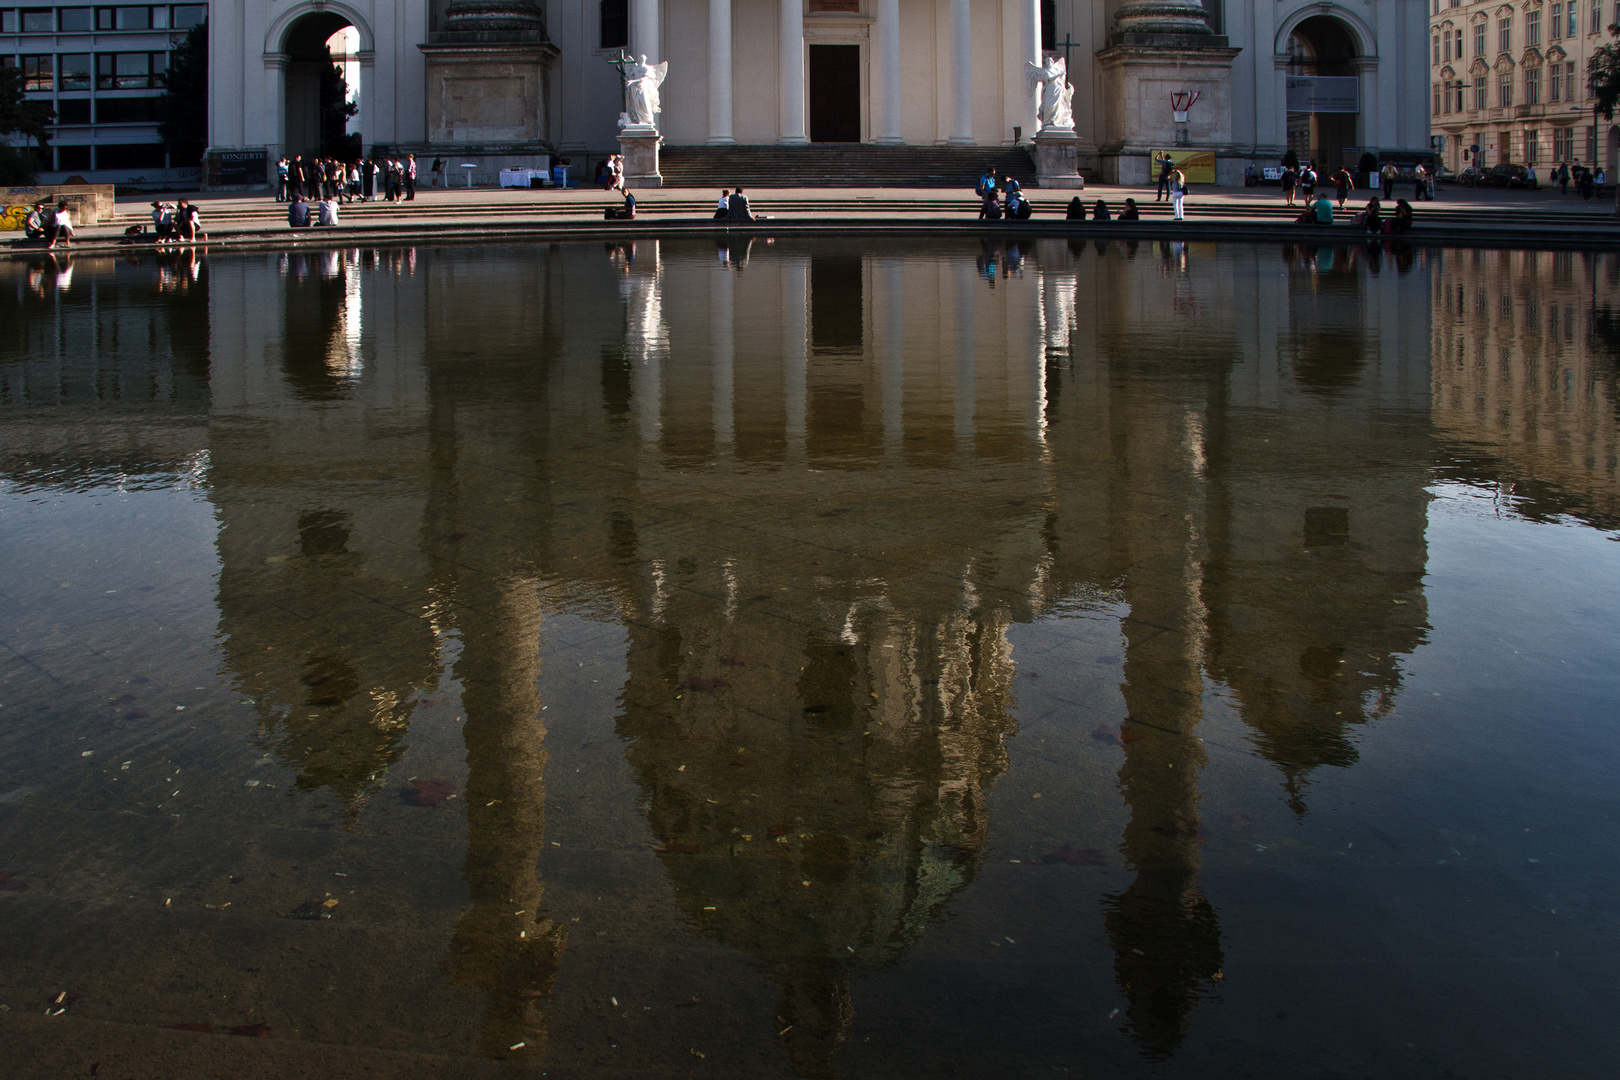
888 52
644 35
961 73
720 73
792 67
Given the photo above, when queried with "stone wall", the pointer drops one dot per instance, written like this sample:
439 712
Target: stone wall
91 203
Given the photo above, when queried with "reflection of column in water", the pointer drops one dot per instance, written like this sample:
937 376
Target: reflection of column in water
1164 933
962 282
795 330
888 282
502 944
648 341
722 347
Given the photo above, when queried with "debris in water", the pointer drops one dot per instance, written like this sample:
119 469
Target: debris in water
10 882
310 909
252 1031
433 793
1105 734
704 684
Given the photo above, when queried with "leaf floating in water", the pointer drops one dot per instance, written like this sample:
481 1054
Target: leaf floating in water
703 684
10 882
426 792
252 1031
1073 856
310 909
191 1027
780 830
669 847
1106 734
1126 738
743 761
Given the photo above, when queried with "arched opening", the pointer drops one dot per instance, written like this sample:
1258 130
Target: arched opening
322 87
1322 113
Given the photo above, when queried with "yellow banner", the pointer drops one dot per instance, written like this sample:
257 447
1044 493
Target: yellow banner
1198 166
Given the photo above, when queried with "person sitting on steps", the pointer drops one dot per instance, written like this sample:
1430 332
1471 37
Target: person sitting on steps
737 207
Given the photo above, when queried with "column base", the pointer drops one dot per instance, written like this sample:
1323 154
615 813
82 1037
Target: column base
721 140
1057 159
889 140
797 140
961 140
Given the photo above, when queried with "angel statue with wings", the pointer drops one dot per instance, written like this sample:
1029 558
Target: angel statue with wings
641 83
1056 94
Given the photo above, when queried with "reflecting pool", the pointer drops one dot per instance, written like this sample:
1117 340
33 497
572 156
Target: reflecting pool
808 658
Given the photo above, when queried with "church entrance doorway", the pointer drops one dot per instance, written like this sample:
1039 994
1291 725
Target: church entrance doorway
1324 96
835 93
322 87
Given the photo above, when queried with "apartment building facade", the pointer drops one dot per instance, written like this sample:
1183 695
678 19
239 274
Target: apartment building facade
101 69
1508 82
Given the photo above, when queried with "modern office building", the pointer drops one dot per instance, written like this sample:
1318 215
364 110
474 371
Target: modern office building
101 68
1508 82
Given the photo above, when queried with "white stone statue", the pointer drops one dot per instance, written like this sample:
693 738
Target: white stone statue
641 83
1057 95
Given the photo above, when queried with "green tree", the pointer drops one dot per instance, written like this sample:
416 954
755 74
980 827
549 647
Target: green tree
183 108
21 116
336 112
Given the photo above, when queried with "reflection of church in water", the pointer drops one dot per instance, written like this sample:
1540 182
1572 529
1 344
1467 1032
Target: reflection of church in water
817 488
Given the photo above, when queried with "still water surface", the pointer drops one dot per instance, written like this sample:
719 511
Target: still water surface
818 659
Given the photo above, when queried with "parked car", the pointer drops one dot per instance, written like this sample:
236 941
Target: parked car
1469 177
1506 175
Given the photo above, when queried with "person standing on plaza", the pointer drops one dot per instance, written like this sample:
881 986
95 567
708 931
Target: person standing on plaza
1166 166
438 173
1178 193
410 177
281 180
1601 180
1290 180
1307 181
1563 178
1387 175
1342 183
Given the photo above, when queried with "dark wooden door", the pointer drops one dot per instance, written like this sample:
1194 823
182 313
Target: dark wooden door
835 93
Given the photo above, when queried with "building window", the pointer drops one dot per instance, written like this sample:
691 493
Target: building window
1479 91
615 24
1479 39
74 71
38 20
1563 144
1557 21
1532 139
73 111
1591 144
1504 35
1532 27
1573 26
130 71
188 15
1459 43
73 158
136 156
1532 86
37 73
74 20
1504 89
1445 45
1435 43
1597 17
8 21
1555 82
132 18
1569 81
1436 88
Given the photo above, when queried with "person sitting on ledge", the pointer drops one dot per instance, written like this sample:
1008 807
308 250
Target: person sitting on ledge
327 212
1373 217
1018 208
737 207
1099 212
626 213
991 209
34 223
1130 213
1076 211
62 229
1403 216
1322 209
298 213
724 206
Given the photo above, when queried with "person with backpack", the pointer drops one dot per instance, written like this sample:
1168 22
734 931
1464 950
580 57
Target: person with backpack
1290 180
987 184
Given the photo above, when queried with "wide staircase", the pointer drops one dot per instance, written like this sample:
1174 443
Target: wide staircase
839 165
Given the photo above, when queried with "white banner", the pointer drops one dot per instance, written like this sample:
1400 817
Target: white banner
1324 94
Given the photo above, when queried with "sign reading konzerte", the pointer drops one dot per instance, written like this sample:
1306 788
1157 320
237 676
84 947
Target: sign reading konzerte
238 168
1198 166
1324 94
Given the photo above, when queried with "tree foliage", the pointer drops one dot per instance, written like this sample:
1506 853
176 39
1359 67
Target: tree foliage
19 115
183 108
336 112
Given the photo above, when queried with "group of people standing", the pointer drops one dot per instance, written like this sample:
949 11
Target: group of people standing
389 179
1172 185
1301 182
1003 197
1587 182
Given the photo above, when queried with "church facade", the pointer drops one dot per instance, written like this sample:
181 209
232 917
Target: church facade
490 82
